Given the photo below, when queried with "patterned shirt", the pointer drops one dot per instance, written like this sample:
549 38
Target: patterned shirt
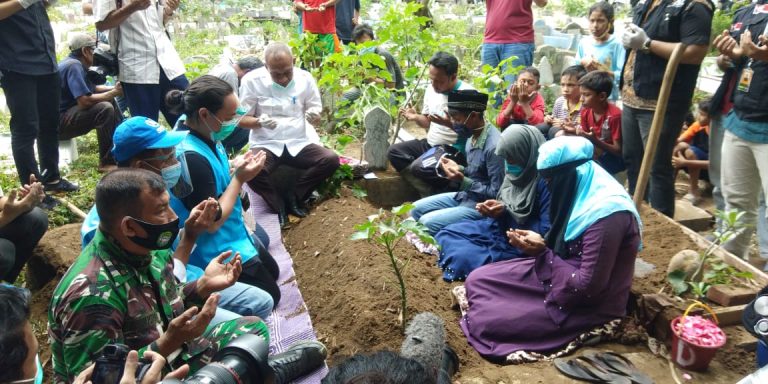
106 296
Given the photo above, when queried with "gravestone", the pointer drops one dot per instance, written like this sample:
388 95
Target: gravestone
546 77
377 122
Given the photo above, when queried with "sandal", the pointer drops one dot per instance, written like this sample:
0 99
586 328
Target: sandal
617 363
570 368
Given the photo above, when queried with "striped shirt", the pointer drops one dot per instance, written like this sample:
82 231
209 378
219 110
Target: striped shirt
144 47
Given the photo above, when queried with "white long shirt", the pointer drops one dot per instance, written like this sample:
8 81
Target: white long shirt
260 95
144 47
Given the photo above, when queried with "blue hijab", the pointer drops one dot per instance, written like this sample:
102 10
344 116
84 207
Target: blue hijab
582 191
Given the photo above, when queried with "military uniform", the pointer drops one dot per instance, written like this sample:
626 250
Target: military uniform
110 296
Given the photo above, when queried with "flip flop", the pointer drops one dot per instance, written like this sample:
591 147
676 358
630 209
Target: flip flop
597 369
621 365
572 369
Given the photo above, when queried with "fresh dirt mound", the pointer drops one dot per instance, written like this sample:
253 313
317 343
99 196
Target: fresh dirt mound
353 298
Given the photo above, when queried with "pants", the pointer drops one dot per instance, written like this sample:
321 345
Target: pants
18 239
262 272
319 163
401 155
34 105
148 100
104 117
716 133
635 128
242 300
494 53
438 211
747 176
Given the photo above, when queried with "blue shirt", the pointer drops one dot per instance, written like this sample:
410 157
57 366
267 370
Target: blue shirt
484 172
74 83
610 53
26 42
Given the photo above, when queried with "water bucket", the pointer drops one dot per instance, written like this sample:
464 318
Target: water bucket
688 354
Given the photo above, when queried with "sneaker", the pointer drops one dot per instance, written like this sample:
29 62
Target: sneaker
691 198
297 361
48 203
61 186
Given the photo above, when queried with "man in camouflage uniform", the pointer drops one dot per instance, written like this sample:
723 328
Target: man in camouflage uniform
122 289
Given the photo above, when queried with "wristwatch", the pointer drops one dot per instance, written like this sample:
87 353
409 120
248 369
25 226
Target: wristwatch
646 46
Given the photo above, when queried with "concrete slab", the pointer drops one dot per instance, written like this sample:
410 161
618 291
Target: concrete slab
692 216
389 190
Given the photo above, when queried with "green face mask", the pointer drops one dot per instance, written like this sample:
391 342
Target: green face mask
229 126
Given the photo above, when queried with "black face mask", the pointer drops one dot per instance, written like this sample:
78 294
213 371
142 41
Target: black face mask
159 236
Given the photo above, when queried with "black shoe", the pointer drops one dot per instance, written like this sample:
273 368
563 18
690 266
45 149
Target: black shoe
300 359
48 203
295 209
449 366
60 186
282 215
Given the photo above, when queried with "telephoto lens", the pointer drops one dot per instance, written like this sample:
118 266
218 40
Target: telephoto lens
242 361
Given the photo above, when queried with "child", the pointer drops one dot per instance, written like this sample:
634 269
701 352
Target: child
602 51
567 106
692 152
600 121
524 104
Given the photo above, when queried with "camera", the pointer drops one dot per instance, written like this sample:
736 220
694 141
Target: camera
110 365
104 64
244 361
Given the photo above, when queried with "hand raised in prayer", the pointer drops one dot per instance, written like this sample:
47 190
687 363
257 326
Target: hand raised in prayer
749 48
569 127
249 165
188 326
490 208
201 218
33 192
220 274
409 113
589 135
441 119
727 45
530 242
514 93
451 169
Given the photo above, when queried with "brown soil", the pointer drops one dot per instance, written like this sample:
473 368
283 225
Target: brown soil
353 298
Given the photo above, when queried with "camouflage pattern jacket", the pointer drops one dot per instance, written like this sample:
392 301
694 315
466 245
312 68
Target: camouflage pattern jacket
108 296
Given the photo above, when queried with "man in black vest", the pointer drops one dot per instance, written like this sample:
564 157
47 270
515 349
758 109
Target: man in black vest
658 25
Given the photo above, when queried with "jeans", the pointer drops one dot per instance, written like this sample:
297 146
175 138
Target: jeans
493 53
747 176
438 211
148 100
104 117
242 300
635 128
18 239
34 105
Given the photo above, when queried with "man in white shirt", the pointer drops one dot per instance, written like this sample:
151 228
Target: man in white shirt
285 103
443 74
149 65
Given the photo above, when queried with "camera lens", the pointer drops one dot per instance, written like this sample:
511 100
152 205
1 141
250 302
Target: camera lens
242 361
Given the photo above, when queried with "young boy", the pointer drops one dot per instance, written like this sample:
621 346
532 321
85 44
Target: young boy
524 104
692 152
600 121
568 105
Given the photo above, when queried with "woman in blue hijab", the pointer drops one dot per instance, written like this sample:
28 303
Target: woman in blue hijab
578 275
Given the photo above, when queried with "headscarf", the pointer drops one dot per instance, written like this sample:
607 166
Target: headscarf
582 192
520 143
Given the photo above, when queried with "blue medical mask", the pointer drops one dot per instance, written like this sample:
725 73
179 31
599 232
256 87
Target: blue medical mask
462 129
171 175
38 379
513 169
283 88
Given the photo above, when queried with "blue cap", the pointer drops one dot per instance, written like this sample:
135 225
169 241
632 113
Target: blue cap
139 133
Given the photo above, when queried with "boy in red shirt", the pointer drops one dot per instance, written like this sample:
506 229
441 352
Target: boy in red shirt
692 152
524 104
600 121
319 18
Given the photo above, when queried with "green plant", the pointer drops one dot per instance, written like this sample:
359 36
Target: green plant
493 81
576 7
387 229
359 191
711 270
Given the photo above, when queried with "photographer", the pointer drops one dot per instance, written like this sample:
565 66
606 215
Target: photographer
85 105
149 65
121 289
19 362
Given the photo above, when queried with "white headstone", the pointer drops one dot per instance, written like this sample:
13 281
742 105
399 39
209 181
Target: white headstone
545 71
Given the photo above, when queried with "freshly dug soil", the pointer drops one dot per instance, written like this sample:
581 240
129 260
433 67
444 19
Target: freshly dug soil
353 297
